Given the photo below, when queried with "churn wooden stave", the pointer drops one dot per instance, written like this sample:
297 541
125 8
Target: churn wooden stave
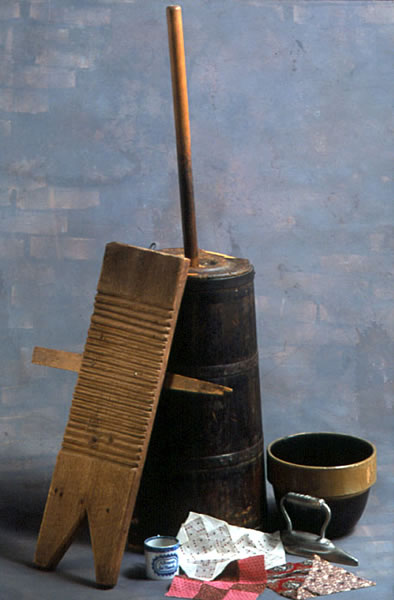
206 452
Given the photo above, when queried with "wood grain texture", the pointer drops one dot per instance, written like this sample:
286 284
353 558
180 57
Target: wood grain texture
123 365
58 359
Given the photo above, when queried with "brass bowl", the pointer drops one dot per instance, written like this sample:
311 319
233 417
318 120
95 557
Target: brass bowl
337 467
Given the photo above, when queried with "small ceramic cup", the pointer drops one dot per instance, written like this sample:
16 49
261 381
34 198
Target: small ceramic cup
161 557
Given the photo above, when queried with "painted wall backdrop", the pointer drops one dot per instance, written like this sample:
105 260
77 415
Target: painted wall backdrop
291 122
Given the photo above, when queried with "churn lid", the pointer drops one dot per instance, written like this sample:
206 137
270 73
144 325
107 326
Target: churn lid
213 265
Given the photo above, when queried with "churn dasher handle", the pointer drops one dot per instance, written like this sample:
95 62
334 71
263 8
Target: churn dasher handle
182 130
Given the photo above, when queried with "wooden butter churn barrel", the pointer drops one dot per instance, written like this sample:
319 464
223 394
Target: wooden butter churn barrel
206 452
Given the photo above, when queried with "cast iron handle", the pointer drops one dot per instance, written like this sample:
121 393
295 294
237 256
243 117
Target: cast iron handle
305 500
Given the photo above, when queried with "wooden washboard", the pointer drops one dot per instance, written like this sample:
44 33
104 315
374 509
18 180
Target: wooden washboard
99 466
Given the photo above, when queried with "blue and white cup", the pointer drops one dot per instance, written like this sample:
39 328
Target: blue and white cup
161 557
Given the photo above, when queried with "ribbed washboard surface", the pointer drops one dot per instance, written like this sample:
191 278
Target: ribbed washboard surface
125 347
99 466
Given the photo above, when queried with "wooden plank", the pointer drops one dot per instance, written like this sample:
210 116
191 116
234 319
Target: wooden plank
180 383
71 361
99 466
59 359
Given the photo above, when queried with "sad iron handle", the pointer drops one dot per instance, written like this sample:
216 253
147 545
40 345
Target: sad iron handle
304 500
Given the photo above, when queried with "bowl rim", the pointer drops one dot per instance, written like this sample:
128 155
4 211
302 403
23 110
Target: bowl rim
371 457
322 481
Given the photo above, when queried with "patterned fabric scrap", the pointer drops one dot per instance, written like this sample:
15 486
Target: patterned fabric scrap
310 579
288 579
243 579
324 578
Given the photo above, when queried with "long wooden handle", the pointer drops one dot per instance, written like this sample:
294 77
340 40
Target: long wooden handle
182 130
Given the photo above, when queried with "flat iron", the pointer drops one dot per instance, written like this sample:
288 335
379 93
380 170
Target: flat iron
307 544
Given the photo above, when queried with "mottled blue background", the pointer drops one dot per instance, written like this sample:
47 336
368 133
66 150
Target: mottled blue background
291 123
